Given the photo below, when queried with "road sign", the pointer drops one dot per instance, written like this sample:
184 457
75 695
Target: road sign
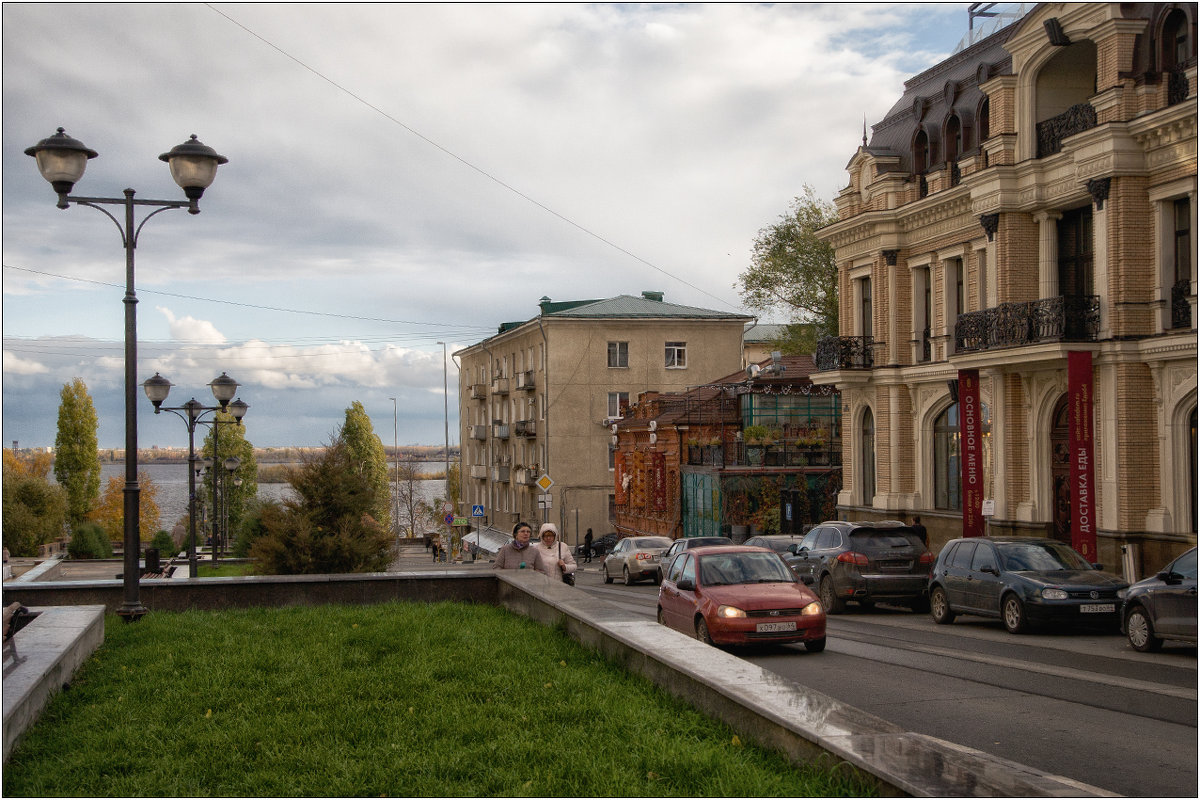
476 511
545 501
461 521
449 518
447 507
545 483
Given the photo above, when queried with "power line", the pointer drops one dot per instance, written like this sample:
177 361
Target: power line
466 163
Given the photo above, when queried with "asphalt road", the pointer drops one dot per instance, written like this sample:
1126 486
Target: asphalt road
1085 706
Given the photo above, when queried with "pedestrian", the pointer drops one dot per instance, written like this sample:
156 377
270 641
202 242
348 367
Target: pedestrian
556 558
920 530
519 553
437 547
587 547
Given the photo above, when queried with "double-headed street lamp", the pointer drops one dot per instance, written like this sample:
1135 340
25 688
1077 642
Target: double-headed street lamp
61 161
192 413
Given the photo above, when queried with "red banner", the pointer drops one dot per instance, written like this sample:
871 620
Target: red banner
1080 442
658 462
970 451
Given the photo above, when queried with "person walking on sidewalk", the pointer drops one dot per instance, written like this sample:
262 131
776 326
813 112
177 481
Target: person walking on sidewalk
556 558
587 547
519 553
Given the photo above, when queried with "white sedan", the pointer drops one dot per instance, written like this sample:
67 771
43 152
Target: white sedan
636 558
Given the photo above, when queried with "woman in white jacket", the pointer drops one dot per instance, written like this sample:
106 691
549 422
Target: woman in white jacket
556 559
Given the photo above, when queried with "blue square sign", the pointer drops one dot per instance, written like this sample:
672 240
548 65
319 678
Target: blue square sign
476 511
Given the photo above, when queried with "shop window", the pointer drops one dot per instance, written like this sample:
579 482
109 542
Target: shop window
947 476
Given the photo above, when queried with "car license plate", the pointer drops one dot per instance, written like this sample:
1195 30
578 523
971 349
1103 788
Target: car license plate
775 627
1098 608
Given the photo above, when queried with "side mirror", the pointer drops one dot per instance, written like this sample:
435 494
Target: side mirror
685 585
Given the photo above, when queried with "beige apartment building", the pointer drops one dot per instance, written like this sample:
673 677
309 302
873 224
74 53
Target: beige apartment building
540 398
1029 203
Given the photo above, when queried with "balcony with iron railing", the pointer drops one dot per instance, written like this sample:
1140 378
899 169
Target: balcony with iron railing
1051 319
526 427
845 352
499 430
525 381
479 432
826 453
1051 132
527 475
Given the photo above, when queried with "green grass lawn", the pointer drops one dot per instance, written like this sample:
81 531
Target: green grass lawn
398 699
223 570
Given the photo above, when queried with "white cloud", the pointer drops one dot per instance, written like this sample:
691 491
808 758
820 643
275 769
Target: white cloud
16 365
190 330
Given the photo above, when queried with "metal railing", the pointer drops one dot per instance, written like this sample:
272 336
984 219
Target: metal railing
1051 132
1063 318
845 352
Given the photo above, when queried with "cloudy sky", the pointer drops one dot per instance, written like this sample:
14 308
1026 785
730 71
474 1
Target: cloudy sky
401 175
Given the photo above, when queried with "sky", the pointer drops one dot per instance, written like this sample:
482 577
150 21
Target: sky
401 175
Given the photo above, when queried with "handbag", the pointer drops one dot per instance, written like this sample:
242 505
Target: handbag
568 577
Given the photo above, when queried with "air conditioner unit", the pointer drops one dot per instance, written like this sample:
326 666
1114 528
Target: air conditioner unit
614 427
653 438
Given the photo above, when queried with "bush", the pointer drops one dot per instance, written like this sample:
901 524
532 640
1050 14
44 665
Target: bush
164 544
89 540
251 528
34 513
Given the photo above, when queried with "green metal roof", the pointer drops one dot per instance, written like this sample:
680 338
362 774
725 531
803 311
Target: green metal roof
626 306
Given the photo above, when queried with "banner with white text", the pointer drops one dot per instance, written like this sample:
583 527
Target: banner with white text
970 450
1081 443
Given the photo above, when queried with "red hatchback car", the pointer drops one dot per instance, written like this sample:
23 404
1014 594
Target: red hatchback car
739 595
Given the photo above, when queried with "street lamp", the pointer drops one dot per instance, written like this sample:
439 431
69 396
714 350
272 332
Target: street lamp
192 413
446 398
62 160
396 470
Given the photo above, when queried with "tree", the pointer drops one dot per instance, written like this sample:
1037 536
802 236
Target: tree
231 442
793 271
415 515
365 449
327 527
34 509
32 465
109 512
76 452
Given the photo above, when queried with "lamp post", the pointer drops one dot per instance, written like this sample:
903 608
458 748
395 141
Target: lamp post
192 413
231 467
62 160
446 398
396 470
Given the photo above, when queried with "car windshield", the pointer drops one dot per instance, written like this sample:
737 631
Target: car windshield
1040 557
651 542
779 545
726 569
881 540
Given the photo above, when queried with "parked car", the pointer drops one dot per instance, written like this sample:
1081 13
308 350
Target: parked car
1163 606
865 562
599 546
635 558
1023 581
679 545
734 594
779 542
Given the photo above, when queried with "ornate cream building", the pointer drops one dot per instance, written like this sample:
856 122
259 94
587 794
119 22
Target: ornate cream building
1031 196
541 396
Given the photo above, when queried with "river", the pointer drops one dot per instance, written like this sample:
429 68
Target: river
172 483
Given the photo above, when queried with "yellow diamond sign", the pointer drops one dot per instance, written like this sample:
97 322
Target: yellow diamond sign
545 483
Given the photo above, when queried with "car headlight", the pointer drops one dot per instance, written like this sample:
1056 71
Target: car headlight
1054 594
730 612
811 610
1123 593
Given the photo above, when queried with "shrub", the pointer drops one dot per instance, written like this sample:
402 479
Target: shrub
250 528
35 512
89 540
164 544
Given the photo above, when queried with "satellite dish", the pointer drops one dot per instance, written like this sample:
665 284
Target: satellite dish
752 371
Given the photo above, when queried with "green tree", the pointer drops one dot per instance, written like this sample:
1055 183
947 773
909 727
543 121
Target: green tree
793 271
415 515
328 526
365 450
231 442
34 509
76 452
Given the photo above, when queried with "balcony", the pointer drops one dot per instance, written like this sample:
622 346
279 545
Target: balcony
479 432
845 352
500 386
478 391
1053 319
827 453
526 427
525 381
500 474
1051 132
499 430
527 476
479 471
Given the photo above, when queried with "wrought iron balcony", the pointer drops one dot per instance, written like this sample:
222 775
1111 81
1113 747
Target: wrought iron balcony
1181 304
1051 132
845 352
1177 86
1052 319
499 431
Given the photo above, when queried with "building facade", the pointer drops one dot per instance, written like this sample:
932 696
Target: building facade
540 398
1029 199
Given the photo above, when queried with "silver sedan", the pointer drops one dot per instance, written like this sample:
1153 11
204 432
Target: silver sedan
636 558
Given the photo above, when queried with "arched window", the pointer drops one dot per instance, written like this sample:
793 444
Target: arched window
868 457
947 471
954 142
921 154
985 120
1175 48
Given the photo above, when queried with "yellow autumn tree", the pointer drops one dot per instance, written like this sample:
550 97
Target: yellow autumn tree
109 512
32 465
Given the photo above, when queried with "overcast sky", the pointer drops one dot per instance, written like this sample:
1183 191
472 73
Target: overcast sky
401 175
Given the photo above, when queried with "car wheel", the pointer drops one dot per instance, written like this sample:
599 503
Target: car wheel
658 578
702 631
1140 631
607 577
939 606
625 573
661 621
1013 612
833 604
815 645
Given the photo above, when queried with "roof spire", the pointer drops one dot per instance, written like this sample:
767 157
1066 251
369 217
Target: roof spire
864 130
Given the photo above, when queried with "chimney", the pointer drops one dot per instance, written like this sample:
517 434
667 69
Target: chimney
655 296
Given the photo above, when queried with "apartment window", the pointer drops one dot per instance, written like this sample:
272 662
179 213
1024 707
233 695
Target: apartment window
924 292
618 404
1181 287
618 354
676 355
865 305
981 263
960 294
1075 253
612 458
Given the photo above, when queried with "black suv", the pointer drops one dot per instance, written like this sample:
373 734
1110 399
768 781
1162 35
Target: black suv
600 546
864 562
